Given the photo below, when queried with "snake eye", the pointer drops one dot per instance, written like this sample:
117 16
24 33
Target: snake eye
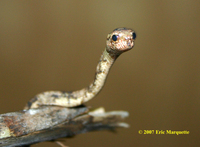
114 38
134 35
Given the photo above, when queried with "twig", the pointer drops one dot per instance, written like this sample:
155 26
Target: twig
51 122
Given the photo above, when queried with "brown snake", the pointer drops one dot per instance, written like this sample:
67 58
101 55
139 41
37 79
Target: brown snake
119 41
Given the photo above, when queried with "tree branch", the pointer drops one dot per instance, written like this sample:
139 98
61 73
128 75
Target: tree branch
52 122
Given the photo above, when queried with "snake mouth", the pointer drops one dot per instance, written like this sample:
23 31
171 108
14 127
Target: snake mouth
124 45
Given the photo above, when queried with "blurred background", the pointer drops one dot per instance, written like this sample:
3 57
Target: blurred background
55 45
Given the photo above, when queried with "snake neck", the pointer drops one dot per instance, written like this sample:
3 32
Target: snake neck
102 69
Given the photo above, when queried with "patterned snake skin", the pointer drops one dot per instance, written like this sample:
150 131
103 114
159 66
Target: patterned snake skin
119 41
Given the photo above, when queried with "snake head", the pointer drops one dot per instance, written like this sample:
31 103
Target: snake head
120 40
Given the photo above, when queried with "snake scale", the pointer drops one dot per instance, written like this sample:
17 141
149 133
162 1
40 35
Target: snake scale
118 41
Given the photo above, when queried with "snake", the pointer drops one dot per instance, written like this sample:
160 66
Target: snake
118 41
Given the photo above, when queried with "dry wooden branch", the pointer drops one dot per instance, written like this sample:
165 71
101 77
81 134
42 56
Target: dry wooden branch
52 122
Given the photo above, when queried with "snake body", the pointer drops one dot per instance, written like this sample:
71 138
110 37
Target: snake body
119 41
